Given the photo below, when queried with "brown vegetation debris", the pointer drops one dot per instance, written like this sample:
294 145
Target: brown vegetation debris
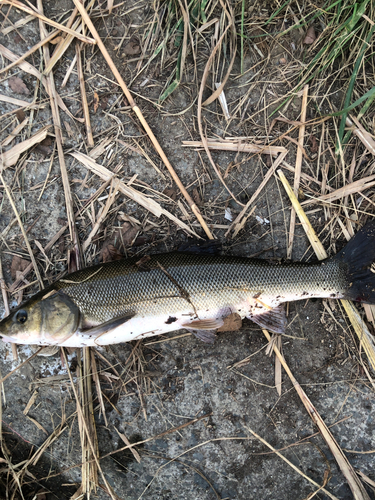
109 253
196 197
171 193
18 265
310 36
232 323
18 85
132 48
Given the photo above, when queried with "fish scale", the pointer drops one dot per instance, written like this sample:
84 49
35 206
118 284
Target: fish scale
209 281
131 299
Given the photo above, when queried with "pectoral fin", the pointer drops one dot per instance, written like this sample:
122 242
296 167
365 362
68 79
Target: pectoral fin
95 331
271 319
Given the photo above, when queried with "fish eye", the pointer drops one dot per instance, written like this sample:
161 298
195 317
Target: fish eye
21 316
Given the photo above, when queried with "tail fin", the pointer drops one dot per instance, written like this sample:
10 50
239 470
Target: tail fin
359 259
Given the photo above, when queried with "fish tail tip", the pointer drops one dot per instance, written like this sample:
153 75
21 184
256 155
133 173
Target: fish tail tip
358 257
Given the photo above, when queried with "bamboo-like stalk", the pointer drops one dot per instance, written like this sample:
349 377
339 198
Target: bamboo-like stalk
140 116
85 106
88 407
237 145
297 171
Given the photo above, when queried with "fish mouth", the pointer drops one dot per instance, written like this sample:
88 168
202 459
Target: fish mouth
5 338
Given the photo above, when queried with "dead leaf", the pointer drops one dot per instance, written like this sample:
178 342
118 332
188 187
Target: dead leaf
20 115
19 277
18 264
232 323
110 253
68 128
310 36
18 86
172 193
44 146
228 169
56 40
196 197
73 264
104 103
126 234
96 102
10 157
314 144
141 240
132 48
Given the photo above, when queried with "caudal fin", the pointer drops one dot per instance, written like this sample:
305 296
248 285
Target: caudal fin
358 257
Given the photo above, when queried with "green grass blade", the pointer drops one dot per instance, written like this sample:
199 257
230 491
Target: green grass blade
171 88
349 92
369 95
277 12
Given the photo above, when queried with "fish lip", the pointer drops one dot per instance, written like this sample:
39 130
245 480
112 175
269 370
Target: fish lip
5 338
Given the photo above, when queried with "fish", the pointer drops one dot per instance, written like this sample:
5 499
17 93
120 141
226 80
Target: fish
134 298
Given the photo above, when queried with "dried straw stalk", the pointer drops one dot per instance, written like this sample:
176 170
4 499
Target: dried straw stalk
21 6
297 171
85 106
28 53
51 90
132 193
355 484
140 116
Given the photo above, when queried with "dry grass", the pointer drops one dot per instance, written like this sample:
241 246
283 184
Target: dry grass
321 135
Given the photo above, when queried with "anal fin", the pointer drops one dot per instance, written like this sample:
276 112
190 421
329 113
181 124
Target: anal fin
204 329
207 336
203 324
270 319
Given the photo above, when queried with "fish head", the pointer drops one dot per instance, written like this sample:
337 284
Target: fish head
46 319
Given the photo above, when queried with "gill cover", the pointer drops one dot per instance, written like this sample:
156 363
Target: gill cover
47 319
